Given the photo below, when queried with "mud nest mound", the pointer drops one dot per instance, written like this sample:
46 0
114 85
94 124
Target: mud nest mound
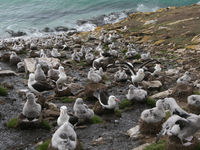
150 128
194 109
99 110
174 143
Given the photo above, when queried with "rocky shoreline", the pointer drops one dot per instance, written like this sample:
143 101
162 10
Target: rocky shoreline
171 35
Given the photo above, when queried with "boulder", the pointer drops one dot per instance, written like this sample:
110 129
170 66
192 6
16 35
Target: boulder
63 92
20 67
152 85
75 88
7 73
163 94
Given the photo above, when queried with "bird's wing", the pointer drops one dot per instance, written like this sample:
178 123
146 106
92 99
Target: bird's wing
181 113
103 97
130 67
42 86
182 123
145 63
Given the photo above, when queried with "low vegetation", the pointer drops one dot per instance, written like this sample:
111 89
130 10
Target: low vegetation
96 119
156 146
45 125
151 102
3 91
124 104
67 100
12 123
44 146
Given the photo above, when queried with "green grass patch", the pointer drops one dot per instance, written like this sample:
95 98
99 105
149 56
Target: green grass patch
167 115
124 51
118 113
197 147
67 100
125 103
137 56
12 123
196 92
156 146
96 119
44 146
23 52
106 48
151 102
45 125
3 91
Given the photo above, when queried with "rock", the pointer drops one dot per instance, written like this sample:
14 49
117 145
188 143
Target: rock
22 92
7 73
159 42
196 39
90 88
63 92
141 147
151 22
171 72
173 143
161 95
50 114
182 90
30 63
134 132
34 54
20 67
98 141
152 85
16 34
61 28
47 29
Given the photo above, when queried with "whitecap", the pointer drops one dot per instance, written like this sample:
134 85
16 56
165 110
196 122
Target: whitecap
143 8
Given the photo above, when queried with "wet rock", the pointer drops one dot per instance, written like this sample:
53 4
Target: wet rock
16 34
152 85
174 143
63 92
182 90
30 63
47 29
90 88
61 28
163 94
20 67
76 88
7 73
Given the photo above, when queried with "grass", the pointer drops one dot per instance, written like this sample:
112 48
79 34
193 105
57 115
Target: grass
156 146
137 56
44 146
151 102
106 48
96 119
12 123
167 115
124 51
3 91
67 100
45 125
118 113
125 103
196 92
104 77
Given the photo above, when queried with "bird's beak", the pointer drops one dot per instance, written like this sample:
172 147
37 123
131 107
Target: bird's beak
63 112
116 99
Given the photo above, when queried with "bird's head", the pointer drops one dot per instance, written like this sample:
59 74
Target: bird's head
63 110
30 97
131 86
113 99
79 101
31 77
141 71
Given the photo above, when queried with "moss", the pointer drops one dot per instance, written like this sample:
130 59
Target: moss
44 146
151 102
197 147
125 103
137 56
118 113
156 146
12 123
124 51
106 48
45 125
3 91
67 100
23 52
105 78
96 119
196 92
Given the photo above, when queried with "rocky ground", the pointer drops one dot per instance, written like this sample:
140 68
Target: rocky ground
171 35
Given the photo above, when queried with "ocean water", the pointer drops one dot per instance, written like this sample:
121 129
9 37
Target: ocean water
31 16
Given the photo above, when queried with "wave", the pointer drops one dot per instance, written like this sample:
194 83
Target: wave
143 8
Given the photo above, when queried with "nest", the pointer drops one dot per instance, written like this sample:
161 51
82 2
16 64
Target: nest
99 110
194 109
174 143
182 90
150 128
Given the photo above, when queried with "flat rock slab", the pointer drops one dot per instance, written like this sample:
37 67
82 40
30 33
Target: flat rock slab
30 63
141 147
7 73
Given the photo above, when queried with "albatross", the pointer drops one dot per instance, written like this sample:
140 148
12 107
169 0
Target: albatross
64 138
31 109
64 117
106 101
62 77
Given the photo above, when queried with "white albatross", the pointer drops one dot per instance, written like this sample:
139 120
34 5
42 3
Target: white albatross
31 109
93 76
62 77
64 117
64 138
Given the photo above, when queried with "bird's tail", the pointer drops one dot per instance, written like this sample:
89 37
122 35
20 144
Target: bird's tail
96 94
